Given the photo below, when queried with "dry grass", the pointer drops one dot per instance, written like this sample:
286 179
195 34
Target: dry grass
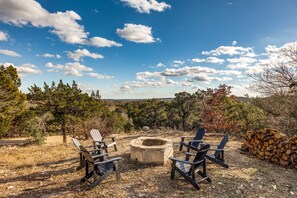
49 171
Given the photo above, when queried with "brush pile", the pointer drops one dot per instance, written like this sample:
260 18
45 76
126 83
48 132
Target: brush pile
268 144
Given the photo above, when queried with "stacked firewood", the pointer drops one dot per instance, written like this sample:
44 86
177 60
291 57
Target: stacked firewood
268 144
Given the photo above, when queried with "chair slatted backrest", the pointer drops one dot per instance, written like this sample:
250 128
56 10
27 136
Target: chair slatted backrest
201 153
76 142
199 135
87 154
222 145
96 135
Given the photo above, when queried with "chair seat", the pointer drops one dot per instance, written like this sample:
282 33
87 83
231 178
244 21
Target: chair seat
104 168
183 167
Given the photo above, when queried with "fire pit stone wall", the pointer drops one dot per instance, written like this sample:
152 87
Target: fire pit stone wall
151 150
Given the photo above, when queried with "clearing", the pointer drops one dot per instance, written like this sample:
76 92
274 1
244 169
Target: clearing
49 171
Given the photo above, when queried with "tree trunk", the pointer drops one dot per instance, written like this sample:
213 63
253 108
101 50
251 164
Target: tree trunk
64 133
85 131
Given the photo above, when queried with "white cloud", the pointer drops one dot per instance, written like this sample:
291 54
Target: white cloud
9 53
163 78
99 76
240 62
3 36
63 24
149 75
177 63
75 69
71 69
230 50
26 68
102 42
214 60
187 71
234 42
160 65
137 33
145 6
78 54
47 55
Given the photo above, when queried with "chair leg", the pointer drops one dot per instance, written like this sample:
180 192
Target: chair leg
115 146
180 144
172 175
117 170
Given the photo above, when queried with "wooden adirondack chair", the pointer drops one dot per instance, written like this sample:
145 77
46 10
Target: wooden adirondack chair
81 157
97 168
194 143
218 155
99 140
188 169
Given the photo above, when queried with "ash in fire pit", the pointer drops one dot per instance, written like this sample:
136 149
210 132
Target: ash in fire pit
151 150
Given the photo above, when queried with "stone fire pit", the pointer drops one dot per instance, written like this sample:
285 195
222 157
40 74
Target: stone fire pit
151 150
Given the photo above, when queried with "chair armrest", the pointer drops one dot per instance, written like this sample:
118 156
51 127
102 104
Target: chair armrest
190 141
220 150
186 137
198 162
110 160
100 155
210 144
180 160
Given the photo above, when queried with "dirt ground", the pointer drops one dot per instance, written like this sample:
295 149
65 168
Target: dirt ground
49 171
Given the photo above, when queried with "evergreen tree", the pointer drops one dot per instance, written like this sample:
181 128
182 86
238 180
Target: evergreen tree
11 98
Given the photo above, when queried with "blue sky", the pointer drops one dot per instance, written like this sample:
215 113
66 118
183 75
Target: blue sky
144 48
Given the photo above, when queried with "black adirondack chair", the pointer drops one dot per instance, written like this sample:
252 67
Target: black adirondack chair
188 169
98 169
194 143
218 155
100 141
81 157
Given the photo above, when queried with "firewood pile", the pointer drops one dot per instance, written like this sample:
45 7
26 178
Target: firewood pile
268 144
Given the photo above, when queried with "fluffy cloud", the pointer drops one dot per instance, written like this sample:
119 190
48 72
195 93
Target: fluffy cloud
145 6
234 42
78 54
214 60
26 68
99 76
3 36
9 53
230 50
47 55
71 69
137 33
240 62
160 65
63 24
187 71
75 69
177 63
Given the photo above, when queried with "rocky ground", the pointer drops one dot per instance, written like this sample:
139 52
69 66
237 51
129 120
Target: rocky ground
49 171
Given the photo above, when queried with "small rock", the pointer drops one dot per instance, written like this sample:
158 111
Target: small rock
220 183
273 186
10 187
291 192
260 186
145 128
241 186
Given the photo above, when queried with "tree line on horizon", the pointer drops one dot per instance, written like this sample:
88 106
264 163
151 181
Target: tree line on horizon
65 108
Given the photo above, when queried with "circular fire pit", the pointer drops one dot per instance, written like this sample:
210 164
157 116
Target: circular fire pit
151 150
